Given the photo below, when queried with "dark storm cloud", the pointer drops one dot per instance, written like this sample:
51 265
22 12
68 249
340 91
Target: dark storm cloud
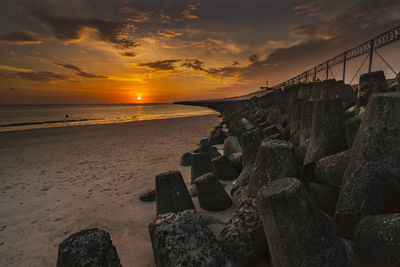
128 54
70 29
80 72
161 65
37 76
20 37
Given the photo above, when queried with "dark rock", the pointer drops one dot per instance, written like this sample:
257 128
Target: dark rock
324 196
371 184
231 145
91 247
298 232
243 236
327 133
373 82
149 196
236 160
377 240
204 144
224 169
275 160
171 193
201 164
250 142
211 193
239 195
307 109
183 239
186 159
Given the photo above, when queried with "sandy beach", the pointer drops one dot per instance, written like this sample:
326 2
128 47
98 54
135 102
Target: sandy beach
57 181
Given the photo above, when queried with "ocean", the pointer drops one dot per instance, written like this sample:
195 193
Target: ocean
25 117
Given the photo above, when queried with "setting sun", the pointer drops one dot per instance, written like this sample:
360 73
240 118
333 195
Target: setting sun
139 97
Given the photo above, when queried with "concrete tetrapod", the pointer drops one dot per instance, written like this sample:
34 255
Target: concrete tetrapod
371 183
171 193
201 164
183 239
377 240
298 233
243 236
211 193
327 133
91 247
223 169
307 109
275 159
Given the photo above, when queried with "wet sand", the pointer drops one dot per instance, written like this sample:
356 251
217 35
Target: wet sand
57 181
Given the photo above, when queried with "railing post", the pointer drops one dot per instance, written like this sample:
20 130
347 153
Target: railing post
371 52
344 65
315 74
327 69
306 76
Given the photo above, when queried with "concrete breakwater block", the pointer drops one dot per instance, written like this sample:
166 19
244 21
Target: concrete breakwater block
371 183
295 116
250 141
352 125
236 160
231 145
370 83
223 168
243 237
324 196
298 232
242 180
186 159
275 159
327 132
211 193
91 247
183 239
307 109
329 170
201 164
217 136
377 240
171 193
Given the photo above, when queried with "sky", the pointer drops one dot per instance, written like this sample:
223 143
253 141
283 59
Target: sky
103 51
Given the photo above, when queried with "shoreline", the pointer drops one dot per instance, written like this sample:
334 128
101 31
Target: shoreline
57 181
2 128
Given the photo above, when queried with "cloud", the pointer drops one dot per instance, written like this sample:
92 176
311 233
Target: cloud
187 12
161 65
128 54
197 65
20 37
312 9
355 17
80 72
37 76
73 29
168 33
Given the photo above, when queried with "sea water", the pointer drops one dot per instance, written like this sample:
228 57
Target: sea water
25 117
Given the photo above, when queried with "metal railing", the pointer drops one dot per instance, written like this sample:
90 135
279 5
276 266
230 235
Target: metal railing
369 47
